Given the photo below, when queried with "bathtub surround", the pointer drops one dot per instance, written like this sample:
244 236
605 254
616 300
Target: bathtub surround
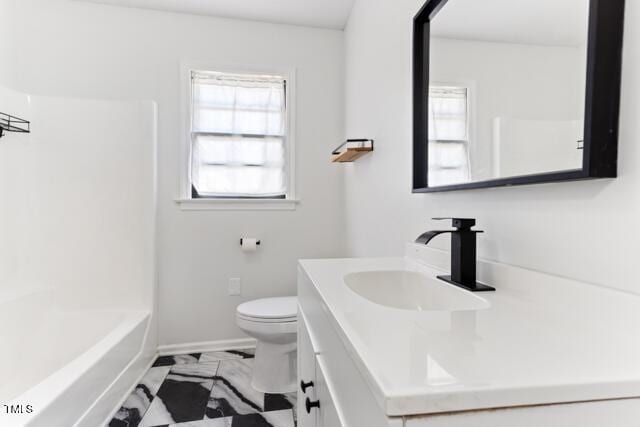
62 232
74 51
204 390
568 229
68 253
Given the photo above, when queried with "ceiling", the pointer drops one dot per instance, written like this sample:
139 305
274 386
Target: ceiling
312 13
543 22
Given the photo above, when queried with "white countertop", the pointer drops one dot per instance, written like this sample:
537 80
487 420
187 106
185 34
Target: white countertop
542 340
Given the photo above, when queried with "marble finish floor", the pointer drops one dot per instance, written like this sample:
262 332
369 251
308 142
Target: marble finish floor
204 390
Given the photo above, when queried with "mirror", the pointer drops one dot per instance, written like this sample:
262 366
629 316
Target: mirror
515 92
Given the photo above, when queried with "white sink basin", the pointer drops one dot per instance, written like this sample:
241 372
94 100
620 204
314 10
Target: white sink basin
409 290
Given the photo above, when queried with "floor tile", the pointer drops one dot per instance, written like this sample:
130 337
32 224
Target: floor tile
265 419
208 390
226 355
277 402
134 408
183 396
232 393
177 360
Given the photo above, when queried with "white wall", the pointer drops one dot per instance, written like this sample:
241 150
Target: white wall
584 230
89 50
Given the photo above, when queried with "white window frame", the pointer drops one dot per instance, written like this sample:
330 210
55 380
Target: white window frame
185 199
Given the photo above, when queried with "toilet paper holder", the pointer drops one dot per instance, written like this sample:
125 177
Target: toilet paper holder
241 240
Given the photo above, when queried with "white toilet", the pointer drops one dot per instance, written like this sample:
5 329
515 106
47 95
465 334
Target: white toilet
273 322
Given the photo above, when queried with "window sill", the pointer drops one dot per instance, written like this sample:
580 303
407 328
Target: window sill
237 204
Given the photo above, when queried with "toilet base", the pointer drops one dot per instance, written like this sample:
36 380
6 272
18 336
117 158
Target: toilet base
275 368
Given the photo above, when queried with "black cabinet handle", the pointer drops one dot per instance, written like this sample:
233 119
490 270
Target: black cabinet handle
309 404
304 386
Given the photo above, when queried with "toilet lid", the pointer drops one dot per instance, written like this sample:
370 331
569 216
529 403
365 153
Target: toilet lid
270 308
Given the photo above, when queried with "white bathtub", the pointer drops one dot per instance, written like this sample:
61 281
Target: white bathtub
61 361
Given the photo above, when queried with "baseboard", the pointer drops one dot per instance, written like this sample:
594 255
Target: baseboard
206 346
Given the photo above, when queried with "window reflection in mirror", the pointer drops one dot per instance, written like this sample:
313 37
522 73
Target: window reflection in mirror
448 134
507 89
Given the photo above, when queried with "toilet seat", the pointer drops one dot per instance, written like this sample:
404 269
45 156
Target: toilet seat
269 310
261 320
267 331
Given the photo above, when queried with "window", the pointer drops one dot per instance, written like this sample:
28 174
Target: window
448 135
239 144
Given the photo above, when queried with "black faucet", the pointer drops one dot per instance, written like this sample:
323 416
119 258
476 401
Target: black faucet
463 254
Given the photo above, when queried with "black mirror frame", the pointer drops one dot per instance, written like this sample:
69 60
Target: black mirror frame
602 101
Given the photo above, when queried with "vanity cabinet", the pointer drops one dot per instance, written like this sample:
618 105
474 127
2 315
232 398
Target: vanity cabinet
341 338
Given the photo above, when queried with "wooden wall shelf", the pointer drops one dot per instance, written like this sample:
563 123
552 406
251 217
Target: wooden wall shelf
353 150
